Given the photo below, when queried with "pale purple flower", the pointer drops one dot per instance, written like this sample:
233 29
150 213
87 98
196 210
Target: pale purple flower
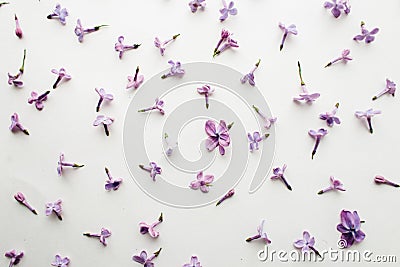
18 30
306 244
104 234
344 57
111 183
224 36
62 74
54 207
60 262
317 135
229 42
337 6
305 95
194 262
291 29
162 45
203 182
381 180
176 70
20 197
103 96
13 79
158 105
206 90
255 139
61 163
145 228
335 185
170 149
390 89
14 257
38 99
226 196
350 228
279 175
121 48
267 121
365 34
153 169
218 136
261 234
227 10
16 125
144 260
135 81
59 13
197 4
368 115
330 117
250 76
80 31
105 121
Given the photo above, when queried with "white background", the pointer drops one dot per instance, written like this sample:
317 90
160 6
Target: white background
216 235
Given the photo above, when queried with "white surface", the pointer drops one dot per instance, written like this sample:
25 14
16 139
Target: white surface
216 235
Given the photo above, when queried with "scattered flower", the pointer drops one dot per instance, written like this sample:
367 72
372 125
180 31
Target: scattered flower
267 121
136 80
255 139
13 79
194 262
170 148
350 228
145 228
335 185
106 121
62 164
368 115
54 207
20 197
154 169
59 13
176 70
80 31
345 57
330 117
317 135
291 29
202 182
18 30
162 45
146 261
38 99
111 183
206 90
62 74
226 196
16 125
261 234
103 96
390 89
224 36
250 76
14 257
279 175
365 34
218 136
305 96
60 262
337 6
228 43
381 180
121 48
306 244
159 104
197 4
227 10
104 233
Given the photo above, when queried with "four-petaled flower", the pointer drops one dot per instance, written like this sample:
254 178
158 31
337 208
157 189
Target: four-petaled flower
337 6
111 183
335 185
202 181
80 31
197 4
20 197
250 76
145 228
267 121
54 207
194 262
106 121
365 34
104 233
381 180
135 81
175 70
103 96
261 234
350 228
146 261
59 13
227 10
153 169
60 261
38 99
14 257
121 48
344 57
291 29
317 135
61 163
255 139
18 30
390 89
62 74
159 104
206 90
218 136
368 115
162 45
330 117
305 96
306 244
16 125
279 175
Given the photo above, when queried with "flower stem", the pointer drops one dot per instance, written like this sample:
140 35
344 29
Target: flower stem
226 196
157 252
283 41
370 125
136 74
315 147
23 63
316 251
206 96
77 165
230 125
42 96
176 36
286 183
57 82
58 216
301 78
253 238
4 3
106 129
98 104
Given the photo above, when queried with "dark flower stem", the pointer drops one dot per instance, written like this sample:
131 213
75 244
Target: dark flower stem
230 125
327 65
176 36
98 104
316 251
4 3
286 183
157 252
96 28
136 74
206 96
226 196
57 82
25 131
161 218
283 41
40 98
21 70
253 238
58 216
77 165
317 141
370 125
301 78
106 129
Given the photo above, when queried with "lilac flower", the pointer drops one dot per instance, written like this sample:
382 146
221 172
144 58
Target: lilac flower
16 125
250 76
38 99
60 262
229 42
162 45
329 117
227 10
61 163
279 175
202 182
368 115
291 29
145 228
159 104
104 233
80 31
135 81
335 185
106 121
206 90
365 34
305 96
337 6
350 228
226 196
306 244
197 4
14 257
170 148
13 79
54 207
18 30
255 139
121 48
103 96
317 135
59 13
218 136
381 180
267 121
154 169
194 262
20 197
261 234
345 57
62 74
176 70
146 261
224 36
111 183
390 89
